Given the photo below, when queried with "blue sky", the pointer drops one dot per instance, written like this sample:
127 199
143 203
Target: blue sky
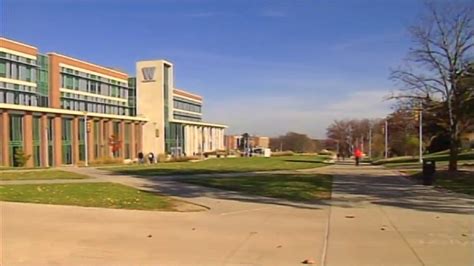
263 67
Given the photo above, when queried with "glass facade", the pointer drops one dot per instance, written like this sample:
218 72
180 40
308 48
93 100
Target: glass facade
186 116
43 80
175 139
132 97
95 94
186 105
22 69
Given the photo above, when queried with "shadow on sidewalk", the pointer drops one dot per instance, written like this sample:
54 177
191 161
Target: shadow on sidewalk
397 191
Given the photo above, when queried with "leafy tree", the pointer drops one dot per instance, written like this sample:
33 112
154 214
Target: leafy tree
115 144
295 142
438 66
244 142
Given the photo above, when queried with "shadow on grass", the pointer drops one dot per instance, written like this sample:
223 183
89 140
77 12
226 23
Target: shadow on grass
170 172
193 193
306 161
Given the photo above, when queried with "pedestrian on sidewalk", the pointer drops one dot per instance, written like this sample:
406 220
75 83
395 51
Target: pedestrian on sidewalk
357 155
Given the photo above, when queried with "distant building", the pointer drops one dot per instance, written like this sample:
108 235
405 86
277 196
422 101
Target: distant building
233 142
262 142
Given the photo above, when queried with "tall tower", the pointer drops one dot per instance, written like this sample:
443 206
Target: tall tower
154 90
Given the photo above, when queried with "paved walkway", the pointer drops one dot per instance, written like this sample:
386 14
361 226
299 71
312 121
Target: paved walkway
375 218
378 218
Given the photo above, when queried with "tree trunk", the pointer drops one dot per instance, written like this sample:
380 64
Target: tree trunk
453 150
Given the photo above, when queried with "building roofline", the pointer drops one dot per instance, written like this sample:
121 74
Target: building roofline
18 42
155 60
197 123
88 63
70 112
187 93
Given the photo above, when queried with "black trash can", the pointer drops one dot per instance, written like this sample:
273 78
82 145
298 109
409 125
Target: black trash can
429 169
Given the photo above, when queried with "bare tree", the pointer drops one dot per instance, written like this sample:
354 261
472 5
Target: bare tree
443 44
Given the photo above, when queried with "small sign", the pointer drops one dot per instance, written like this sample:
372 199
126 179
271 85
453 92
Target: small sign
148 74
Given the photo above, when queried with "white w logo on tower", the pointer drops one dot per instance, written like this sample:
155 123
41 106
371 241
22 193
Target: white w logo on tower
148 74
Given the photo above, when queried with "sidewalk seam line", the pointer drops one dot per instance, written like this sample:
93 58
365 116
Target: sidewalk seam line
326 236
401 236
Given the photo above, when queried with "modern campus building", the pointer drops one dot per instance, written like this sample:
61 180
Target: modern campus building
61 110
233 142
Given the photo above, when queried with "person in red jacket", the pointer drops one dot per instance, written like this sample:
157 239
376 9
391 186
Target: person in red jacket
357 155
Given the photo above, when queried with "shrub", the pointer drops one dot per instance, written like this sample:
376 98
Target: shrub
326 152
106 160
282 153
183 159
21 157
161 158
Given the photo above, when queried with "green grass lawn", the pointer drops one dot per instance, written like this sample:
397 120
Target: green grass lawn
301 187
460 181
104 195
223 165
39 175
441 158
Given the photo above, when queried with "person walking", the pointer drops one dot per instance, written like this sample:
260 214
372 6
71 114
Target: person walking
357 155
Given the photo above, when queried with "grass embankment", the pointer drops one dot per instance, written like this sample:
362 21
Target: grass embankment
441 158
104 195
39 175
301 187
223 165
459 181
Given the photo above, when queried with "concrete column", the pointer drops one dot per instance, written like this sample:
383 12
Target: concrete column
101 138
222 139
44 141
5 131
90 140
75 140
186 140
122 139
133 150
194 137
57 140
28 137
140 137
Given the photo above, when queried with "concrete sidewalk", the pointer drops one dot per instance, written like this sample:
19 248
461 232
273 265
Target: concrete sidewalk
378 218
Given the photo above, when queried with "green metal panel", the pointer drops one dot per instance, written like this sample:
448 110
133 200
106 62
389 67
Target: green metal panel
67 141
50 141
36 141
82 146
16 137
97 139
